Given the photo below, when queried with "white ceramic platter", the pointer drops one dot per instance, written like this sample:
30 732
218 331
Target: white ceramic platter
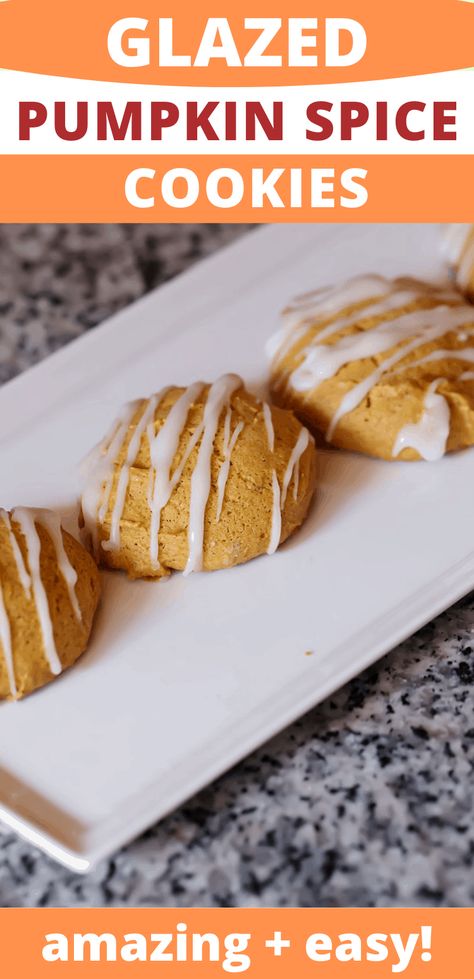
184 678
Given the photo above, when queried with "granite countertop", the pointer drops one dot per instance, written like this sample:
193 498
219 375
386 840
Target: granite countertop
366 801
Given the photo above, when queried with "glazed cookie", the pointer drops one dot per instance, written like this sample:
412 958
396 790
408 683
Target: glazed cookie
380 366
49 591
197 478
459 251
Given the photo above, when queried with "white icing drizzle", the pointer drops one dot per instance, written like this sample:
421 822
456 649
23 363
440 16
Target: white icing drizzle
394 300
218 398
293 468
466 265
454 239
458 248
378 294
444 318
148 414
163 448
429 435
229 445
466 376
281 342
322 304
446 354
96 495
323 362
6 644
23 575
26 520
275 530
51 523
267 417
275 527
327 302
302 443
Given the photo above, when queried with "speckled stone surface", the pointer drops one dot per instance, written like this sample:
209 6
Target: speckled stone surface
366 801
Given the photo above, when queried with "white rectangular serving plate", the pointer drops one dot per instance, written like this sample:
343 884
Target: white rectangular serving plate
184 678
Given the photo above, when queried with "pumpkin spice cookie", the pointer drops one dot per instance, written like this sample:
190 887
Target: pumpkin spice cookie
380 366
49 592
197 478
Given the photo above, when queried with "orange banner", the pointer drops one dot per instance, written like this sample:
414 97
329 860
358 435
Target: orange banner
403 38
281 943
93 188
